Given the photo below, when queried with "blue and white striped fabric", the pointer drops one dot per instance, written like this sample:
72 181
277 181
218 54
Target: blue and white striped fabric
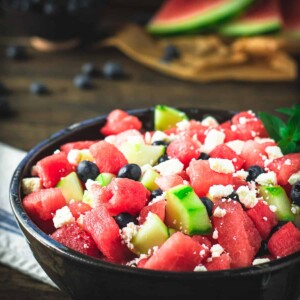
14 250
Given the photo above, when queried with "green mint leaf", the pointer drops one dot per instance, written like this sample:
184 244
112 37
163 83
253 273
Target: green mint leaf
287 146
292 130
289 110
272 124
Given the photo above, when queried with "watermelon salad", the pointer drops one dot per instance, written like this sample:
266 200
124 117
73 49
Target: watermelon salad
190 195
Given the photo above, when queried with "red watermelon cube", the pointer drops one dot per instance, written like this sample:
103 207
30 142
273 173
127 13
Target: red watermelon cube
74 237
192 129
105 232
168 181
179 253
285 166
78 208
285 241
158 208
236 232
52 168
263 218
107 157
79 145
222 262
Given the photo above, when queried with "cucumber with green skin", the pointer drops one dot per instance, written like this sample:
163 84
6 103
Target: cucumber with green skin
152 233
104 179
186 212
71 187
148 179
166 117
276 196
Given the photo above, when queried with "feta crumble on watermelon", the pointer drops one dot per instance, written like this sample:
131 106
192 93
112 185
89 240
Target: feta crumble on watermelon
191 203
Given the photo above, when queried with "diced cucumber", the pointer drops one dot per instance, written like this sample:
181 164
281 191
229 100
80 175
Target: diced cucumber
104 179
186 212
88 198
71 187
152 233
276 195
148 179
141 154
166 117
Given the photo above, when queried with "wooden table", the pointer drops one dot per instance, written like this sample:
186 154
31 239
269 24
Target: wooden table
36 117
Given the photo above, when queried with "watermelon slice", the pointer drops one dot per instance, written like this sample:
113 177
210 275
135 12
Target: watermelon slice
221 262
158 208
185 258
79 145
168 181
180 16
291 21
262 18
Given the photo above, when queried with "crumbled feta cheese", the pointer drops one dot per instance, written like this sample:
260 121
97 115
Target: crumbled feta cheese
288 162
89 183
265 219
210 121
74 156
200 268
243 120
128 232
159 136
213 138
273 208
216 250
258 261
135 261
219 212
63 216
169 167
221 165
80 220
183 125
219 191
145 168
267 178
247 196
31 184
294 178
242 174
112 139
273 152
216 233
263 140
236 146
56 151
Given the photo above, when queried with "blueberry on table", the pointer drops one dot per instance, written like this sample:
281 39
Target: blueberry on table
155 193
295 193
254 172
171 53
131 171
203 156
83 82
87 170
123 219
90 69
112 70
163 158
208 205
38 88
16 52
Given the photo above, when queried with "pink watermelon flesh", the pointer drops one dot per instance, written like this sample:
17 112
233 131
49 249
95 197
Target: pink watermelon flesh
158 208
122 195
179 253
105 232
193 129
221 262
236 233
107 157
285 166
42 204
79 145
263 218
52 168
74 237
78 208
168 181
285 241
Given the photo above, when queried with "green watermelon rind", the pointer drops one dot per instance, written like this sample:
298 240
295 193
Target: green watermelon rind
202 21
236 29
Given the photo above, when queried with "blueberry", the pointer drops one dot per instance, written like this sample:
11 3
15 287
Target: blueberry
295 193
87 170
254 172
163 158
90 69
112 70
123 219
203 156
5 109
131 171
38 88
171 52
155 193
208 205
160 143
83 82
17 52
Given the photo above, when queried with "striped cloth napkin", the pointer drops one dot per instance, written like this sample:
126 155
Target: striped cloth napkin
14 250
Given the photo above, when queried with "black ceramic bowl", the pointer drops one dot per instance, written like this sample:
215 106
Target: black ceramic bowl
83 277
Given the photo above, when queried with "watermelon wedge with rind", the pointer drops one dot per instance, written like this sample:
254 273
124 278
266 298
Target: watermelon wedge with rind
180 16
263 18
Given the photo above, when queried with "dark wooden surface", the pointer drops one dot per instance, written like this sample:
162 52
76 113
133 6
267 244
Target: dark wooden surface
36 117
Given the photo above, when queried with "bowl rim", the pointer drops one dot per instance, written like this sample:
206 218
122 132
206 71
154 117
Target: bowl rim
26 224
